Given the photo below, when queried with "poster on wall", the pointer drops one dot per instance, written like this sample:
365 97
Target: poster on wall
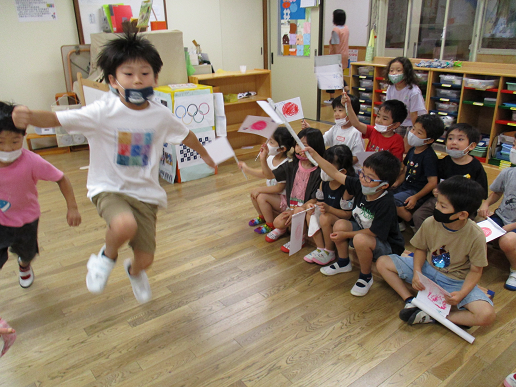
36 10
295 28
195 111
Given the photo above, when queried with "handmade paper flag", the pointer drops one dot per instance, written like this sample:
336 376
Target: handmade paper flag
291 109
433 296
296 232
262 126
491 229
267 108
314 225
220 150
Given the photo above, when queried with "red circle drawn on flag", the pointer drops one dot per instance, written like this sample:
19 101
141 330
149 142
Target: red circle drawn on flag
259 125
290 109
487 231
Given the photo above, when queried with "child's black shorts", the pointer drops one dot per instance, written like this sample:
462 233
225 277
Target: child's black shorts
22 240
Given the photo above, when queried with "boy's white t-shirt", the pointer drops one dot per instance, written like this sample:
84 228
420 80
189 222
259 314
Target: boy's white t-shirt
411 97
349 136
126 146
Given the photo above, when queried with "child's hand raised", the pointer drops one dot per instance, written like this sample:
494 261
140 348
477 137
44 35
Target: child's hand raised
304 124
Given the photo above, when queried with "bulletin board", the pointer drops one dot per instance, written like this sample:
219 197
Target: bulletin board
295 29
88 14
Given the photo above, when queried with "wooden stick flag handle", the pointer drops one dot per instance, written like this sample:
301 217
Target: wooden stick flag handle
287 125
241 169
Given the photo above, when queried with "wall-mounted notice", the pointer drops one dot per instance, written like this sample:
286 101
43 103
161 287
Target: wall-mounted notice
35 10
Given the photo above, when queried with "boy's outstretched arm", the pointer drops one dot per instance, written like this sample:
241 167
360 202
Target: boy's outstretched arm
72 215
484 208
353 119
326 166
192 142
23 116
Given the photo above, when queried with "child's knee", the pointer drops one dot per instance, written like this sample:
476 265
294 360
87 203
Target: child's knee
384 263
486 316
342 225
124 224
362 241
508 242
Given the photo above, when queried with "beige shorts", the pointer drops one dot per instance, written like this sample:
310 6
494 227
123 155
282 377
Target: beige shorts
111 204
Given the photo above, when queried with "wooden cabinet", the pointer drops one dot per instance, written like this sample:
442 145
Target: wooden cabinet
226 83
480 94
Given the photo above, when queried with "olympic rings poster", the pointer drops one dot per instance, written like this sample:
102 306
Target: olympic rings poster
195 111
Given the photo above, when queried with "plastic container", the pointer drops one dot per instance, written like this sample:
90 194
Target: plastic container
511 86
449 79
365 70
506 139
383 85
422 75
363 95
364 119
62 137
490 100
514 116
447 93
383 97
366 83
450 107
481 84
365 108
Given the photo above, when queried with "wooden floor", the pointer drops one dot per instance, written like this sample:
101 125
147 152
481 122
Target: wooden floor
228 308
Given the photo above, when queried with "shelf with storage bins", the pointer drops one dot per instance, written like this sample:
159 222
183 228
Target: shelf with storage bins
504 121
226 83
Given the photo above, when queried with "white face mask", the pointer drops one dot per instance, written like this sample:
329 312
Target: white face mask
341 121
273 150
512 156
325 176
9 157
457 154
414 140
381 128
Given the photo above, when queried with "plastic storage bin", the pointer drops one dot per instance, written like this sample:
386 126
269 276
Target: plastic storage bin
62 137
383 97
366 83
363 95
423 76
481 84
365 70
383 85
446 93
511 86
365 108
364 119
513 116
449 79
450 107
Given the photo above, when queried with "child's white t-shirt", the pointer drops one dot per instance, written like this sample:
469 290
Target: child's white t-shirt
349 136
411 97
126 146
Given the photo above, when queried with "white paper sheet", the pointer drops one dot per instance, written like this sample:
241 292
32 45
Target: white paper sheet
330 81
220 115
491 229
220 150
314 225
433 296
296 233
291 109
270 112
361 156
195 111
262 126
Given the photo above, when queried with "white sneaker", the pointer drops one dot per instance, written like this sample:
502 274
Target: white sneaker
140 284
510 284
26 275
99 268
336 269
510 380
360 291
325 258
402 226
317 253
274 235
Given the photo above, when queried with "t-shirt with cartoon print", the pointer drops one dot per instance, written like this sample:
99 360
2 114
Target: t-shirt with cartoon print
378 215
451 252
420 166
126 145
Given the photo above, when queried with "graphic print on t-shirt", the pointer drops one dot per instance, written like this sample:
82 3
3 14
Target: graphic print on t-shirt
363 216
134 148
411 171
4 205
441 257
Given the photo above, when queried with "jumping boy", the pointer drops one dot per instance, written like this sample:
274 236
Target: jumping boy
126 130
373 229
20 170
382 136
419 174
460 140
451 251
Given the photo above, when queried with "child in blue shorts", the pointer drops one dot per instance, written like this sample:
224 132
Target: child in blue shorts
451 251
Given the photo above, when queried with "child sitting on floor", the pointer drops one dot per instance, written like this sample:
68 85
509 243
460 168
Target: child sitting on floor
333 204
266 200
451 251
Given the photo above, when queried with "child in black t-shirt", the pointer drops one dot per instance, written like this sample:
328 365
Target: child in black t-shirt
460 140
373 228
419 175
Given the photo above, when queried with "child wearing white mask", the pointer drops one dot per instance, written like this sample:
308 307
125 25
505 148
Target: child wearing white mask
20 170
460 140
419 175
333 203
343 132
403 87
266 199
505 215
383 135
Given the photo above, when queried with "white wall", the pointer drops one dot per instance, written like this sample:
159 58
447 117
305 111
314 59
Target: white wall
357 17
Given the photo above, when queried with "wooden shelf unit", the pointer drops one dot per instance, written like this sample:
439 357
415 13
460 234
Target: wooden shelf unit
234 83
492 119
